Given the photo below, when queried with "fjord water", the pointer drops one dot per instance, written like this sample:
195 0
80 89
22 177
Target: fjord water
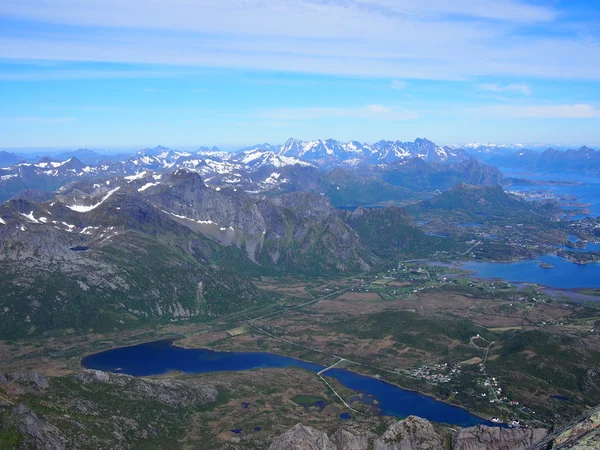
160 357
587 191
565 275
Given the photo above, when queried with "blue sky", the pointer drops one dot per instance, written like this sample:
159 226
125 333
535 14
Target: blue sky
185 73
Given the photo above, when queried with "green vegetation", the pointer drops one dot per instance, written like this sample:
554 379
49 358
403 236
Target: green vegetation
159 283
411 328
390 232
10 438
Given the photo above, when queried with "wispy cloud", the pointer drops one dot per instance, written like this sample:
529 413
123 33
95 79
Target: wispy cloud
368 112
498 88
41 120
297 17
398 85
437 39
512 10
577 111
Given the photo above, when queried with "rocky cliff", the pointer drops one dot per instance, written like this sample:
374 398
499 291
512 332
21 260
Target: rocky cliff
115 254
412 433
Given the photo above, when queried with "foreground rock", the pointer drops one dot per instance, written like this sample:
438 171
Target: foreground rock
19 383
483 438
412 433
38 433
300 437
582 433
95 409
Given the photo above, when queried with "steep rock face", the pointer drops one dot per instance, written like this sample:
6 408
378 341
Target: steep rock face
582 433
480 174
352 439
486 438
113 254
117 264
301 437
299 231
315 239
412 433
37 432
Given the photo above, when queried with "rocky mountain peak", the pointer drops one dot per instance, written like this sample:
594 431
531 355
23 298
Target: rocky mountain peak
188 177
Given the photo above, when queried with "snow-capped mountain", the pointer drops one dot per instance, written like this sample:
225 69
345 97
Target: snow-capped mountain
483 147
331 152
219 168
258 157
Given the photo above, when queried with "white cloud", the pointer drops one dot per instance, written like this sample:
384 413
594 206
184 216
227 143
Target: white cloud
41 120
367 112
516 11
434 39
518 88
42 73
260 17
577 111
398 85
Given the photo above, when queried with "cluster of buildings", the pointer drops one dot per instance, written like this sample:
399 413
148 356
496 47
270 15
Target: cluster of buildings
436 373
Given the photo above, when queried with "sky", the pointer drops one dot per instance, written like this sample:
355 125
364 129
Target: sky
185 73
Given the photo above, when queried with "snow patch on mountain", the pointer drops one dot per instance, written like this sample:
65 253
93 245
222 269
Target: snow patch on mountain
136 176
83 208
30 217
147 185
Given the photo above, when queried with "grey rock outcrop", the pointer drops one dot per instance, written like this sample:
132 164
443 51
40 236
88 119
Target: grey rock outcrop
412 433
485 438
352 439
301 437
170 392
38 433
25 382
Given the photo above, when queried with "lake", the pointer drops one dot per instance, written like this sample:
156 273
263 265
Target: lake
160 357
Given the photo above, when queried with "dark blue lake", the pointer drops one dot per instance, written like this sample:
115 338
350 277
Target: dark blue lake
160 357
565 274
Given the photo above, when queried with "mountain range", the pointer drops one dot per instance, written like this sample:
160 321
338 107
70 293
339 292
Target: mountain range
296 165
165 246
583 159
